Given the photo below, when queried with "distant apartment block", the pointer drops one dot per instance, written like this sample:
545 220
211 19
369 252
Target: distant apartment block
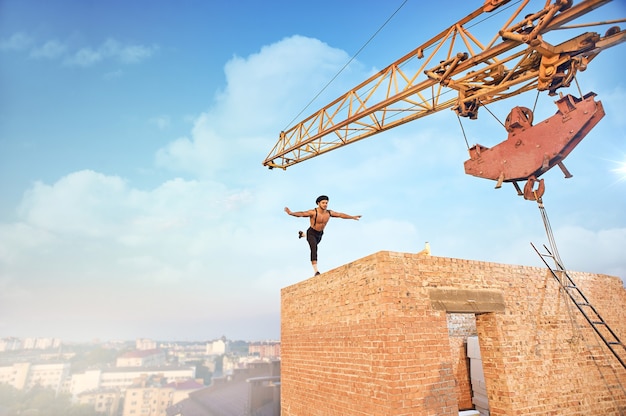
105 402
143 344
185 352
217 347
41 343
267 349
150 396
10 344
87 381
16 344
152 401
141 358
24 376
123 378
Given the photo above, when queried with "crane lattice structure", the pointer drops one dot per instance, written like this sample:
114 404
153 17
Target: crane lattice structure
516 59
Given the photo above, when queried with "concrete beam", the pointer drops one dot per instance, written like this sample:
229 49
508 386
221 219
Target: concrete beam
467 300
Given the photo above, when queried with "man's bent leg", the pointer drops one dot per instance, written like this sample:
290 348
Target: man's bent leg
313 237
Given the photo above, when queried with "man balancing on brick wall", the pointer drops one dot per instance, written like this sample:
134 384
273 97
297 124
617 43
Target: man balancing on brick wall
318 217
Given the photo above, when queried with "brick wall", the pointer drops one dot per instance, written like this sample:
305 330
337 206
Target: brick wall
368 338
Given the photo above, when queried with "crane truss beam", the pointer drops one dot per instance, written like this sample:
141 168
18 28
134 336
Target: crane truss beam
515 61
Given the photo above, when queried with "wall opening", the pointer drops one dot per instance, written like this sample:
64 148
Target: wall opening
468 366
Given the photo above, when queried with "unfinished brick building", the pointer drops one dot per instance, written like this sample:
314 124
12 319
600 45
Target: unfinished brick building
372 338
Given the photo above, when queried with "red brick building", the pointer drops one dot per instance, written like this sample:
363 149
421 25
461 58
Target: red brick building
266 349
372 338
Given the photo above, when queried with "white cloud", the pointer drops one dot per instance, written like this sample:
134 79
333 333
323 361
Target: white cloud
260 94
17 42
268 85
81 203
132 54
50 50
20 239
202 154
85 57
96 234
118 224
590 250
128 54
110 49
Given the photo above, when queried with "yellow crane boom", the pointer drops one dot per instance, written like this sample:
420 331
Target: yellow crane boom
452 70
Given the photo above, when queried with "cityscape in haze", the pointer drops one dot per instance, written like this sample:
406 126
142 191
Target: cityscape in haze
132 135
123 378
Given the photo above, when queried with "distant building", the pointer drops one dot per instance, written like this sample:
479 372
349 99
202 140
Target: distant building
106 402
15 344
183 353
143 344
217 347
15 375
150 396
40 343
24 376
84 382
10 344
151 401
123 378
266 349
141 358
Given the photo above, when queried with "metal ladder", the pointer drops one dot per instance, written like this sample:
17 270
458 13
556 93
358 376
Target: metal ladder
590 313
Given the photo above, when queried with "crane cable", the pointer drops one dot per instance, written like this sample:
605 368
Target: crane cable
549 234
346 65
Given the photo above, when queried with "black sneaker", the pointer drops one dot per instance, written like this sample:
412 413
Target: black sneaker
317 273
300 234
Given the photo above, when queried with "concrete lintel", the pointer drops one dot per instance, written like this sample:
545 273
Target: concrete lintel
467 300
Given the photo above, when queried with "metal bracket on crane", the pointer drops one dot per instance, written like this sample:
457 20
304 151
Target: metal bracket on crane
531 150
491 5
442 72
558 67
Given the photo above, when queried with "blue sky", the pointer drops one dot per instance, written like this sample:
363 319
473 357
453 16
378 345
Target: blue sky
135 203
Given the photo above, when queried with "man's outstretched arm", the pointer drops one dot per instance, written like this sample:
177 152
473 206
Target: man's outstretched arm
344 216
299 213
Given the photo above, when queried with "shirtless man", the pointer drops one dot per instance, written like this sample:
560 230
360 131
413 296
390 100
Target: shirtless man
318 218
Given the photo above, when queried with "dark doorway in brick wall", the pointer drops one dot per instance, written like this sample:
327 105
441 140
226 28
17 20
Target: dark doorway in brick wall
467 363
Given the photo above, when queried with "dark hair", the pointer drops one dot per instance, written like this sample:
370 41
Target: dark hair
321 198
